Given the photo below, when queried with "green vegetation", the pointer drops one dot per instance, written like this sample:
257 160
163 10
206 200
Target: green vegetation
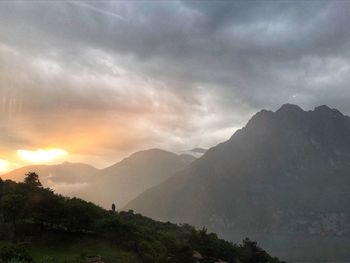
37 225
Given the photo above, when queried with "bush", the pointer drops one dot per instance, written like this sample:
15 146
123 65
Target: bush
6 231
14 253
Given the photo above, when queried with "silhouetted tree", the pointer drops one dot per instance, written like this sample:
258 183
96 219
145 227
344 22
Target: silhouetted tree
250 252
14 253
12 207
1 187
113 207
32 179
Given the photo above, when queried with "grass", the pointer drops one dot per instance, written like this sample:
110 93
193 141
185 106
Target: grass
74 250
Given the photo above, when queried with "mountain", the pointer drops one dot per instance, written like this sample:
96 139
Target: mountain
119 183
71 179
125 180
283 179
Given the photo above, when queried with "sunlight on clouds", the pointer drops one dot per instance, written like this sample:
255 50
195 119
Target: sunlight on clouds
41 155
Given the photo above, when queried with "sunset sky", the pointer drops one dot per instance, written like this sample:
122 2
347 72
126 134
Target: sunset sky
95 81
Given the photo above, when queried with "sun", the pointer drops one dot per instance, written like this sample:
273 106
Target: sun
41 155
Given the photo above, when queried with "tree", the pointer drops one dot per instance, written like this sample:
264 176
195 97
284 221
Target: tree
251 252
32 179
1 187
44 207
113 207
12 206
81 216
14 253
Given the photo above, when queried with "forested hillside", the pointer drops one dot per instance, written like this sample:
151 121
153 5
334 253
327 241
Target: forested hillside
38 225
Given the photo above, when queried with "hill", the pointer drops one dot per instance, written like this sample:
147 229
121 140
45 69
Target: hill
283 179
41 226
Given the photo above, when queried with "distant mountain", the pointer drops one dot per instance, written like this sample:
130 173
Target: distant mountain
71 179
119 183
196 152
283 179
125 180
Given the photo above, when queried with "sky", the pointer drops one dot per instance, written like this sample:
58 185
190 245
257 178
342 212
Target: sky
93 81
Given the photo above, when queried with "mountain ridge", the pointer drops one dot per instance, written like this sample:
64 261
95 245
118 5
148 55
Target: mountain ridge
283 174
141 170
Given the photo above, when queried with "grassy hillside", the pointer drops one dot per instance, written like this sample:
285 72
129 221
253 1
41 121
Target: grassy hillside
37 225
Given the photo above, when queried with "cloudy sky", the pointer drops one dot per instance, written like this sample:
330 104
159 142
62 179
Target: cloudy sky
97 80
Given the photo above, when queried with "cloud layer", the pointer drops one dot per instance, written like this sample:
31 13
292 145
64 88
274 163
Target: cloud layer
102 79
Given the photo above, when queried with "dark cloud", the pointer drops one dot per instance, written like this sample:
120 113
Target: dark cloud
178 74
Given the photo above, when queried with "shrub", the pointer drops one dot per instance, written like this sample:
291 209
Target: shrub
13 253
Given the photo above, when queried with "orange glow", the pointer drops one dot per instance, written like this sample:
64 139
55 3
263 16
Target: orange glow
41 155
6 166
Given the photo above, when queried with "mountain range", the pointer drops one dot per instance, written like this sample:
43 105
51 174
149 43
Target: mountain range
283 179
119 183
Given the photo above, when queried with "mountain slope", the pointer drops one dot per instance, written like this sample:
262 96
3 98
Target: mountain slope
283 179
142 170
